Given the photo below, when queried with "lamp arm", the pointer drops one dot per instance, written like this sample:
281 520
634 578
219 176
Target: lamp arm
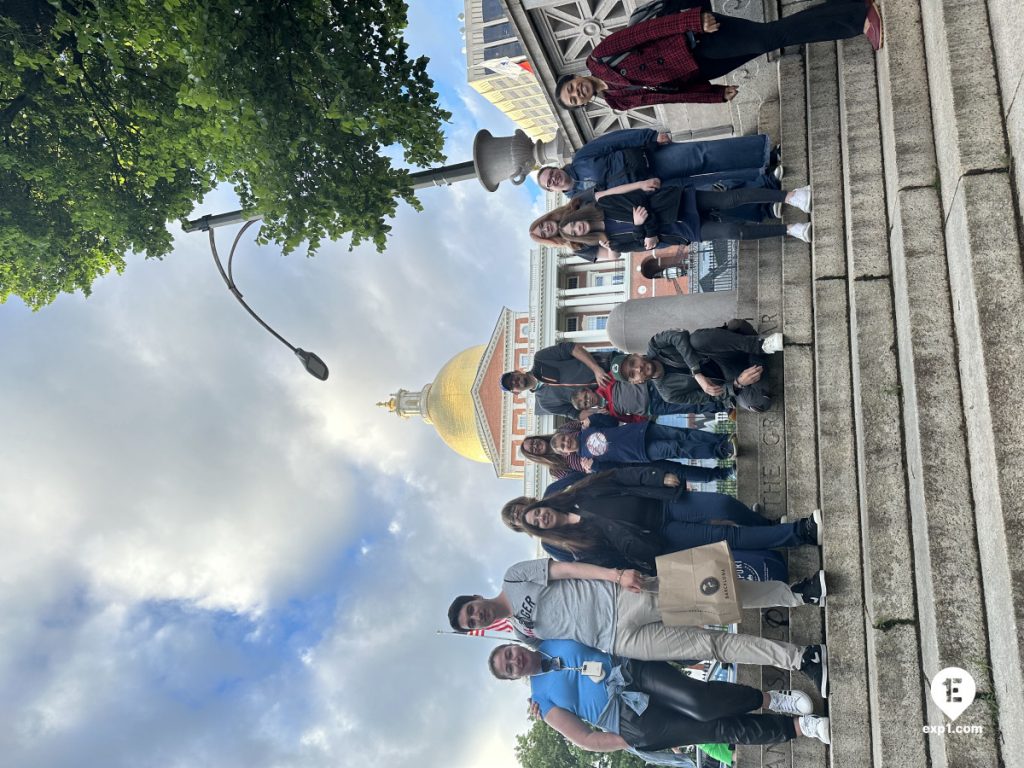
230 283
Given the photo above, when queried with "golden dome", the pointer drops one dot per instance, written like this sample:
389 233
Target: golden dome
449 404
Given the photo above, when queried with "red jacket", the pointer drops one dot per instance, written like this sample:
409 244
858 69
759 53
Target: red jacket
605 391
659 55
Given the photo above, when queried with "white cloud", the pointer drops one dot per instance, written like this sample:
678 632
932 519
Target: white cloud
211 558
161 449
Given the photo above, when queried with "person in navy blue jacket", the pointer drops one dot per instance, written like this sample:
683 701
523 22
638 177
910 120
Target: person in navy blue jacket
605 442
635 154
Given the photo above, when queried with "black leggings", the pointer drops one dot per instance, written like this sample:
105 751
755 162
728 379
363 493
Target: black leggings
737 41
713 226
683 710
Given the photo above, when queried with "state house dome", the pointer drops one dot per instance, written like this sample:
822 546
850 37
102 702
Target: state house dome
447 403
450 404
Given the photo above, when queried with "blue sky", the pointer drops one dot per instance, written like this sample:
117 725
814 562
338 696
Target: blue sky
210 558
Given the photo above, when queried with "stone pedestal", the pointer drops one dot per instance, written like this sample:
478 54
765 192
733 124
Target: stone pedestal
498 158
632 323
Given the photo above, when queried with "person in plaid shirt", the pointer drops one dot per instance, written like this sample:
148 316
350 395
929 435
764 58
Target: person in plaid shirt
673 58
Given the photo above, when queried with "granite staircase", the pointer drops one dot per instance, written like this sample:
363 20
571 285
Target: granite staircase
902 381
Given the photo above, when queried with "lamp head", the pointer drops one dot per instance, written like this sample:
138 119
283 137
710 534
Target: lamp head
316 367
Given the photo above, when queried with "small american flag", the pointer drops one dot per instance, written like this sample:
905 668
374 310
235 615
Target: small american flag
501 625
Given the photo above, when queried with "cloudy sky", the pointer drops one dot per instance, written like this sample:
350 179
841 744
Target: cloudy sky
211 558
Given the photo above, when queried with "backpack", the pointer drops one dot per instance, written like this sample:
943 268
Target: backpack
653 10
657 8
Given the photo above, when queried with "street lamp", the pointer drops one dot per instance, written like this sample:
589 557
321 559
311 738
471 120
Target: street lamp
316 367
495 159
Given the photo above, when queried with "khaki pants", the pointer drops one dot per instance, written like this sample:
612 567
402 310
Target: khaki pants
766 594
639 634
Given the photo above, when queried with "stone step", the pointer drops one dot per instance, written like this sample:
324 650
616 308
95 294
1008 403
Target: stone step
1006 24
901 368
892 649
942 187
934 446
981 212
843 553
891 636
802 490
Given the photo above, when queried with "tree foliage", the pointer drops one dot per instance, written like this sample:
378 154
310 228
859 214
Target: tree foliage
117 115
543 747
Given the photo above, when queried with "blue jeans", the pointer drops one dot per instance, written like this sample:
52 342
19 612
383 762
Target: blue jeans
664 442
699 507
742 157
734 163
686 535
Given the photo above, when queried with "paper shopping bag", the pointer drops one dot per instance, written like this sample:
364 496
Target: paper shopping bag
698 586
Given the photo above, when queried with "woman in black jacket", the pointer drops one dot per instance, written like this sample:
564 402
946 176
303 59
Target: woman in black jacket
639 221
637 513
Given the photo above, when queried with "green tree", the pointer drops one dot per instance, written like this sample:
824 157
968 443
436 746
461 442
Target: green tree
543 747
116 116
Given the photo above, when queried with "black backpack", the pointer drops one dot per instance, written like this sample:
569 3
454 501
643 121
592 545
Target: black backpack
656 8
653 10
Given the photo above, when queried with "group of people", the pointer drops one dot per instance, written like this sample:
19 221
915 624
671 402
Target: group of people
590 635
636 190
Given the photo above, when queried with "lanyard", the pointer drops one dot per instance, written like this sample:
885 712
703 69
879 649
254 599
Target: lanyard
591 669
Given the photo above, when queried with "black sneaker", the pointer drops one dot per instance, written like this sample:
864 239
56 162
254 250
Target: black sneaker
811 528
815 665
729 448
812 589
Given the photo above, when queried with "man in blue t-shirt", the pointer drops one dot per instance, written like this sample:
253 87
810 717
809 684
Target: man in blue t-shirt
647 706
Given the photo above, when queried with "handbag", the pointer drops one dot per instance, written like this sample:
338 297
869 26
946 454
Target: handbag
697 586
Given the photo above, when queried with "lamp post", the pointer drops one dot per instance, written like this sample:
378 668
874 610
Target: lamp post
316 367
495 159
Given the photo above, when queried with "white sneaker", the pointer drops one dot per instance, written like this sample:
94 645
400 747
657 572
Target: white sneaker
801 198
777 210
815 728
778 173
800 231
790 703
772 343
